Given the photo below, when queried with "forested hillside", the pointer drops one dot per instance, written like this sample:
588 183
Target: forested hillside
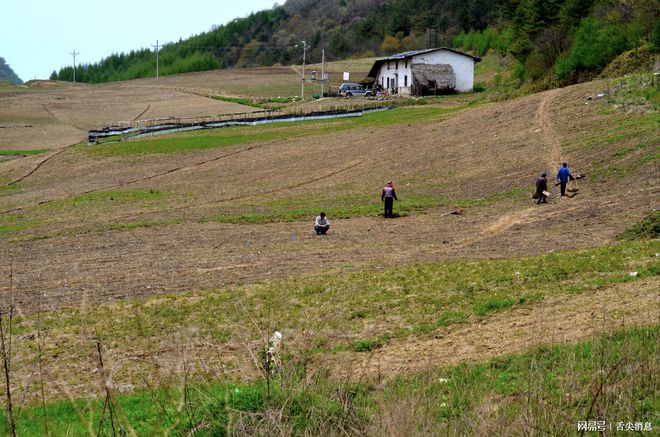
7 74
566 39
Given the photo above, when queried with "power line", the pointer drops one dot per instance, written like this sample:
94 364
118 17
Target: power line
156 47
302 78
74 53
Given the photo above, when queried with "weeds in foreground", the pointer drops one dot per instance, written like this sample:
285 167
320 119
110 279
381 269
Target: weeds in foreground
549 390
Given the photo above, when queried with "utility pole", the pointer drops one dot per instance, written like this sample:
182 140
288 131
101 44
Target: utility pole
156 47
74 53
322 72
302 90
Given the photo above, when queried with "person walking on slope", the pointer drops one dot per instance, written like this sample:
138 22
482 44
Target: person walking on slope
541 189
321 224
388 196
563 175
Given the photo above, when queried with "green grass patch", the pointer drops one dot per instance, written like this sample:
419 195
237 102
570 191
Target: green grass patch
29 152
621 169
8 187
344 206
90 203
450 317
337 207
135 225
7 228
483 308
180 144
268 103
239 100
637 128
513 194
226 137
627 150
446 319
635 90
366 345
120 196
17 222
648 228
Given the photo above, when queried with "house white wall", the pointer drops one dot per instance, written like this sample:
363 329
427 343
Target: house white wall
463 66
400 73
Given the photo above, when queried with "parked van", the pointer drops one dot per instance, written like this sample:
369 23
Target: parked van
354 89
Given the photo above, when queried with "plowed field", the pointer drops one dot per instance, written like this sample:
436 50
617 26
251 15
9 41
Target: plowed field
87 225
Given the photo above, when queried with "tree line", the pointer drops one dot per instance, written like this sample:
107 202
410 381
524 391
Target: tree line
567 38
7 74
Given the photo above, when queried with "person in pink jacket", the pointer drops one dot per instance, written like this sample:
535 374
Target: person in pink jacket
388 196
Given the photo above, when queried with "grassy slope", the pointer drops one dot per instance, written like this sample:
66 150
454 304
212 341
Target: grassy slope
550 388
424 297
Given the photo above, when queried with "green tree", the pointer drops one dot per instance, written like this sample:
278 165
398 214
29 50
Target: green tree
596 44
7 74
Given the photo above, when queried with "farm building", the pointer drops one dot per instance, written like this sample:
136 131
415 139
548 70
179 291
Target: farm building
420 72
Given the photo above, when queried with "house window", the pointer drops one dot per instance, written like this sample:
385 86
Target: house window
382 81
406 63
397 65
405 80
388 65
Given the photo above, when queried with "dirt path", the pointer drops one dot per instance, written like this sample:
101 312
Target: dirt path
554 320
49 156
142 113
36 168
553 158
554 155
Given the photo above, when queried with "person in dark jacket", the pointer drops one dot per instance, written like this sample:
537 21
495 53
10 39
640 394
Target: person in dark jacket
541 188
563 175
388 196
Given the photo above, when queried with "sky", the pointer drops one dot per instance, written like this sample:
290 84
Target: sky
37 36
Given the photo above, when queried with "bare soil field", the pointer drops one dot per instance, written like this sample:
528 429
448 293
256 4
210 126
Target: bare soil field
73 241
507 146
263 82
28 115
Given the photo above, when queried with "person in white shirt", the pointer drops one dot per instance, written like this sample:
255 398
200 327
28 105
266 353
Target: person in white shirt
321 224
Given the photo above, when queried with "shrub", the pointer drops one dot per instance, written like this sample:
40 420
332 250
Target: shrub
596 44
366 345
648 228
654 38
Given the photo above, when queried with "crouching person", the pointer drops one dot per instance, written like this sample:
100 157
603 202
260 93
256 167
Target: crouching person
321 224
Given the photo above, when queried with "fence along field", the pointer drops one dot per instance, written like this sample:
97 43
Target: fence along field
173 270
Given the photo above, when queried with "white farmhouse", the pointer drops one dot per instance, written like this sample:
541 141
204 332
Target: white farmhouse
420 72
